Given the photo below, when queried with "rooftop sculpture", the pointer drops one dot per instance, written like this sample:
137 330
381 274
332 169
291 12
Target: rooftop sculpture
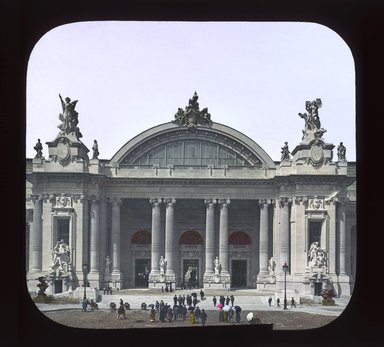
313 127
192 116
69 118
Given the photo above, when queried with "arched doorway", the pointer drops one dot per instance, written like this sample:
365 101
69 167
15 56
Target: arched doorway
191 246
141 243
239 240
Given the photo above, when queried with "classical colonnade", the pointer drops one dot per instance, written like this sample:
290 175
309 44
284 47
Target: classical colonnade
93 247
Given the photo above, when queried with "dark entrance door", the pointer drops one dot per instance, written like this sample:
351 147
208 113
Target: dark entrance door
191 271
58 286
239 274
142 267
318 288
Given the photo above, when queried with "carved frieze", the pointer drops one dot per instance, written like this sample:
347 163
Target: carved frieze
63 202
316 203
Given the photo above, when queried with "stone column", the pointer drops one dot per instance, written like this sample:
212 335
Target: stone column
170 239
35 237
94 237
342 238
115 235
263 246
284 234
209 239
223 241
155 243
331 243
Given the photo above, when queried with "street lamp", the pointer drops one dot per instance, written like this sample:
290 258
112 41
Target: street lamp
285 269
85 270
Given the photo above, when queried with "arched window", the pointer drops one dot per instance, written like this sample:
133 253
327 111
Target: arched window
191 237
141 237
239 238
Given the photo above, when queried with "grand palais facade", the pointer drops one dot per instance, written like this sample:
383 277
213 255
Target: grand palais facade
193 203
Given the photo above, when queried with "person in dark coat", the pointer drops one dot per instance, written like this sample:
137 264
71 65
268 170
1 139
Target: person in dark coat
203 317
214 301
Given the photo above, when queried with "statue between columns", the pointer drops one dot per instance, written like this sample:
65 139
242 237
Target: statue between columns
217 266
108 265
163 265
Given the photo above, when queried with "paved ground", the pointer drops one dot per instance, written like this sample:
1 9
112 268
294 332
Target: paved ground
303 316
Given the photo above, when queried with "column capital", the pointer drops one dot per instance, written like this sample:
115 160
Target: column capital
265 202
155 201
170 202
115 201
299 199
284 201
94 198
223 202
210 202
36 198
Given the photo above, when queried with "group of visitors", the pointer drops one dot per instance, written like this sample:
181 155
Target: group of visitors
88 302
224 301
293 302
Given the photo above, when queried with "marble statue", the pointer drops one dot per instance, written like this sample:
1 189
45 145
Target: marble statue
60 259
271 267
341 151
69 118
108 265
312 119
217 265
285 153
163 264
95 149
317 256
39 149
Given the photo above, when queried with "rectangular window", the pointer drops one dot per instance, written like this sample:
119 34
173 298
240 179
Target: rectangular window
63 230
314 233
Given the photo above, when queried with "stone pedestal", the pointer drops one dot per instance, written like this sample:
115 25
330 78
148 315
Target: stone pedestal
313 153
217 281
68 151
94 166
116 280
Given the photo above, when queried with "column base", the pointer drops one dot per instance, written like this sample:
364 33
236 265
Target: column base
343 286
217 281
116 280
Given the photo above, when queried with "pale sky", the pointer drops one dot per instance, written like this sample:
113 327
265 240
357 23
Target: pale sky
131 76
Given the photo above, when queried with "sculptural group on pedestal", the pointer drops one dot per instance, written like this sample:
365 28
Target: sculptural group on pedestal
60 260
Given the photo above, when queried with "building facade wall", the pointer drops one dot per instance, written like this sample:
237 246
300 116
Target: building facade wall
282 207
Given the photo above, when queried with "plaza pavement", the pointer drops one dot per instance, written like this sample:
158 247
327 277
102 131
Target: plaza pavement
247 299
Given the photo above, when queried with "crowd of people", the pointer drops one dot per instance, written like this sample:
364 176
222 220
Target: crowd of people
185 307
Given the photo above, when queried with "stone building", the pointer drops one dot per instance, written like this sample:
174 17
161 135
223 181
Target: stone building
192 203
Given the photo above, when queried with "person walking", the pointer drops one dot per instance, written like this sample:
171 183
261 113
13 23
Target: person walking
232 299
198 314
214 301
121 312
203 317
293 303
269 301
84 305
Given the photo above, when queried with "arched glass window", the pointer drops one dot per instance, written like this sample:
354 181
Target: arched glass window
239 238
141 237
191 237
